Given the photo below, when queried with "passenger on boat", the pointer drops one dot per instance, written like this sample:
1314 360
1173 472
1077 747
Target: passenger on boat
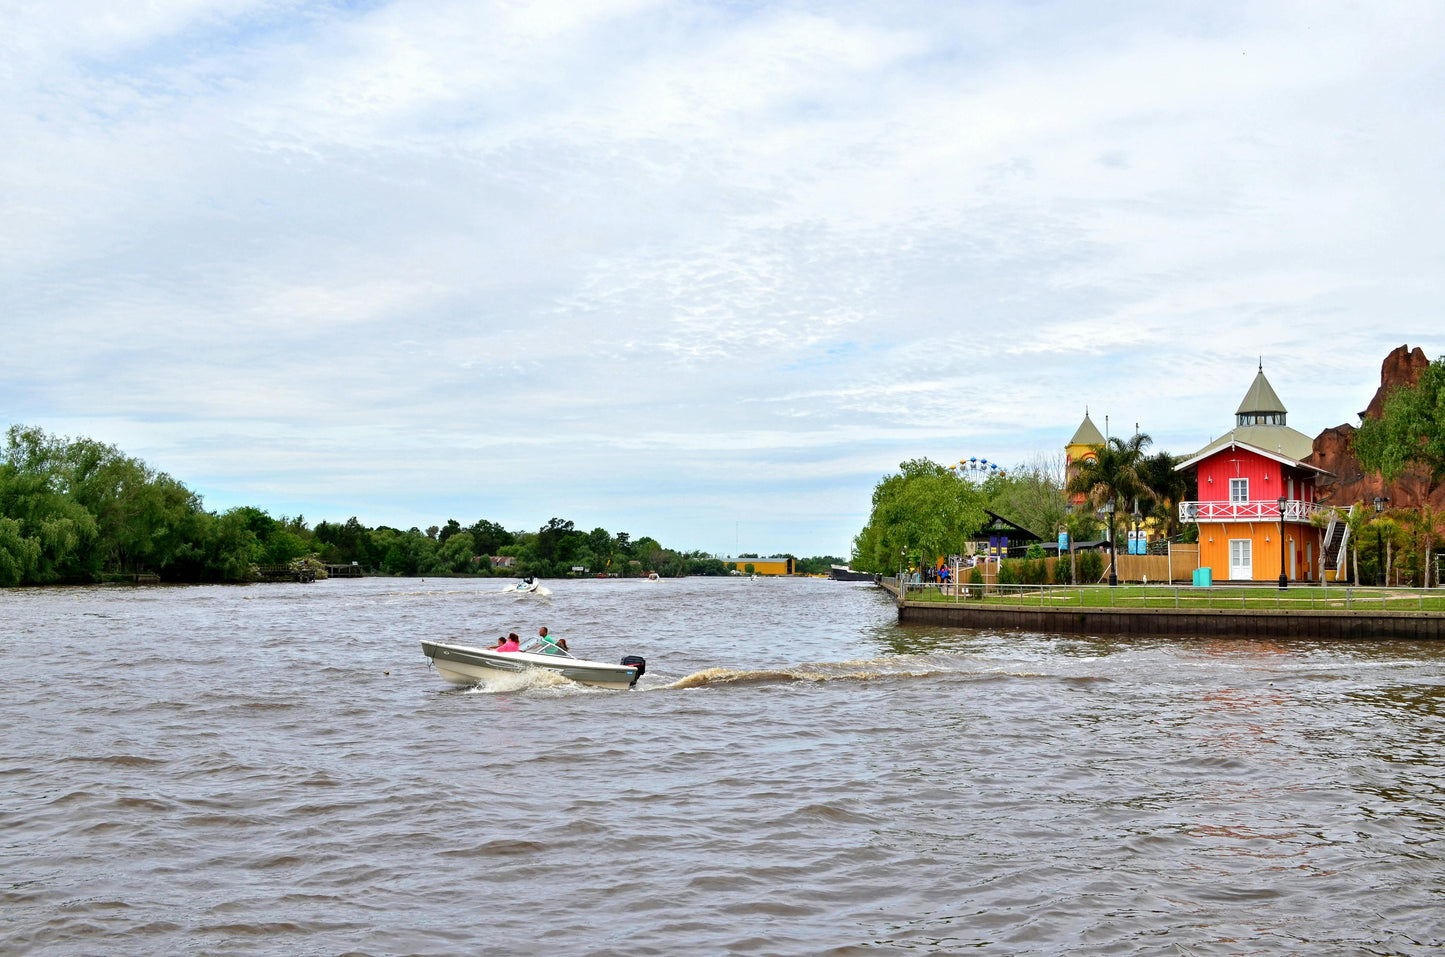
509 643
548 641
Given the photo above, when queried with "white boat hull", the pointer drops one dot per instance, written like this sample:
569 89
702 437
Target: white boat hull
468 665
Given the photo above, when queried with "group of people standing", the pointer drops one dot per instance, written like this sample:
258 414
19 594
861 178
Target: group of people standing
547 644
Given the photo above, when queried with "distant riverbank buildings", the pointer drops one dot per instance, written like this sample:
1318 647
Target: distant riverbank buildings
1257 494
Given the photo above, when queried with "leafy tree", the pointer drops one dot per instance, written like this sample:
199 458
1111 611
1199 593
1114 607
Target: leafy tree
1410 429
18 554
1425 524
556 541
1031 495
924 509
602 548
53 534
230 547
489 537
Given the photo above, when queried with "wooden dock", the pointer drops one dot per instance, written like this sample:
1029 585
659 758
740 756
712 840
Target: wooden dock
286 573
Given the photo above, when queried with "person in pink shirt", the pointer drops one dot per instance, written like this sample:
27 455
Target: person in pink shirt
509 643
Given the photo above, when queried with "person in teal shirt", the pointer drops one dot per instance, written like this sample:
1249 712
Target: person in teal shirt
548 642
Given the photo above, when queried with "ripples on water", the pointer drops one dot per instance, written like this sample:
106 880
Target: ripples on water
275 770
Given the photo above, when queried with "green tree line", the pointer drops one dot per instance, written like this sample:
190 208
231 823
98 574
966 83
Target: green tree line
78 510
925 510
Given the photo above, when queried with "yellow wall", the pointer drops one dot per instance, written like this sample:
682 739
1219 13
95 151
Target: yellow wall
763 566
1214 548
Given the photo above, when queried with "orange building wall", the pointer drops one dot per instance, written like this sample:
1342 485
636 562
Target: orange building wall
1304 539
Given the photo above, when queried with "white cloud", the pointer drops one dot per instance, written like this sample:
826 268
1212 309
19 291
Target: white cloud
690 261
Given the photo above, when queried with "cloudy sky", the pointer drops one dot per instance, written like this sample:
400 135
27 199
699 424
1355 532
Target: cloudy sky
703 271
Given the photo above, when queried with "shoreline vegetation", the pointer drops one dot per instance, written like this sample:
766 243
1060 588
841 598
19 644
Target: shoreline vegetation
78 511
1298 597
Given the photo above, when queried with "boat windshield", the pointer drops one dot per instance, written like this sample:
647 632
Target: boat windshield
537 646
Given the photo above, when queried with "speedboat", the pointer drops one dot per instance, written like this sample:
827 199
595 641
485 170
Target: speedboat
528 586
468 664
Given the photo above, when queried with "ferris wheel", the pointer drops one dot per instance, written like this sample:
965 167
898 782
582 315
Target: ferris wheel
977 468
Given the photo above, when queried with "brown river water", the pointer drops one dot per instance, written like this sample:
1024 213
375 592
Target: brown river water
274 769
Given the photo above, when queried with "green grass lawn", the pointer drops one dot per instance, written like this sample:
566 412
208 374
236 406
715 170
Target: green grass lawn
1299 597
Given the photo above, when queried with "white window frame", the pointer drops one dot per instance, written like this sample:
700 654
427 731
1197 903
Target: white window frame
1238 486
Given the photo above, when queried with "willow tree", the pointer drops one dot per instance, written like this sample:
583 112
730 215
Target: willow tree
1112 478
920 513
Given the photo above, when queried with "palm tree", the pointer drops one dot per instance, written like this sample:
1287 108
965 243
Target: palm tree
1112 478
1425 523
1167 487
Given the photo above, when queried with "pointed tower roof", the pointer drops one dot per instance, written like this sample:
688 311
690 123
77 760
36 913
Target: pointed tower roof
1260 397
1260 425
1088 433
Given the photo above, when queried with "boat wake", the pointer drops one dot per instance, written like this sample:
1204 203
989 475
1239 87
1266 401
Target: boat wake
870 670
875 669
529 679
527 590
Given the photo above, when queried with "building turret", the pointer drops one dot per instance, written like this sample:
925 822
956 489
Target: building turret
1260 405
1084 446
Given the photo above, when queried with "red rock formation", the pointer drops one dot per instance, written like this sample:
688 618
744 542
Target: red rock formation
1401 367
1334 449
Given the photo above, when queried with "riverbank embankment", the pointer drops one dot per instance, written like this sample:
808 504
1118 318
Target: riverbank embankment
1353 617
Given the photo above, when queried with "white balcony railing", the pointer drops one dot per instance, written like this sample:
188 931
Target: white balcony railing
1265 511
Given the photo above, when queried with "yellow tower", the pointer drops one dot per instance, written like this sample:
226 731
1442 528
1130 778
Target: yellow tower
1084 446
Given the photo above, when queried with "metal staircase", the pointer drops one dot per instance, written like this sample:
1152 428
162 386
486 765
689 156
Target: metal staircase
1337 538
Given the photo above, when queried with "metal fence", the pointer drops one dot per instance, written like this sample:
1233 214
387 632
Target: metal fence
1320 597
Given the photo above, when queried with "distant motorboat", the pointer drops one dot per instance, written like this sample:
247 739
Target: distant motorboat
653 577
469 665
528 586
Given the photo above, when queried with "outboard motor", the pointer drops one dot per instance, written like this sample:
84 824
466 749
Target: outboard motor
635 661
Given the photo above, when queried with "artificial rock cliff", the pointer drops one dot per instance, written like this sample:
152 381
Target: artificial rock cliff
1348 482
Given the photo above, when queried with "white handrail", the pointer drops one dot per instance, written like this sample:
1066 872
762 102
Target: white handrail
1260 511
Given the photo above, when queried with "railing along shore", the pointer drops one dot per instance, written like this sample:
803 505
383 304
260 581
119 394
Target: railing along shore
1350 598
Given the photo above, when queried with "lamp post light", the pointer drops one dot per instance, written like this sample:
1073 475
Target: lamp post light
1283 580
1379 543
1113 550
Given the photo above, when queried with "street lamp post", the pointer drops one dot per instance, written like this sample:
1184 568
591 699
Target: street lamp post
1113 550
1379 543
1283 581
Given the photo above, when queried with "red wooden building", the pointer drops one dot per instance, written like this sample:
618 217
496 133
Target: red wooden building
1257 496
